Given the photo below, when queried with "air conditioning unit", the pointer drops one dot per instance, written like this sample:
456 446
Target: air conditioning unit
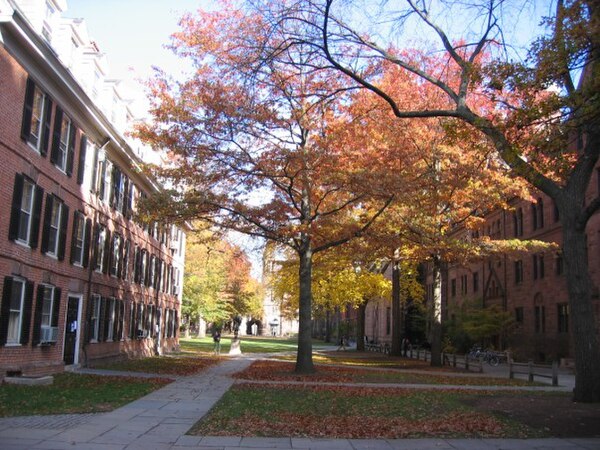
176 289
49 334
174 245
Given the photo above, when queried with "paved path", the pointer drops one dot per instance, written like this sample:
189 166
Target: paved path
161 419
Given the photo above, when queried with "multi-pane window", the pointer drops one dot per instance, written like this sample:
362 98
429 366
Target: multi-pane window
115 255
560 268
540 319
152 270
63 143
453 287
537 214
15 311
144 267
47 305
25 213
46 314
519 316
117 196
463 284
518 222
35 128
518 272
475 281
100 252
94 330
103 176
55 227
80 240
538 266
125 263
110 319
563 317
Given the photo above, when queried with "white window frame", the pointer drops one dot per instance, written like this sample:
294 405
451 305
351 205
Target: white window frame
80 237
95 318
115 245
47 312
64 143
38 112
26 211
100 249
111 319
54 228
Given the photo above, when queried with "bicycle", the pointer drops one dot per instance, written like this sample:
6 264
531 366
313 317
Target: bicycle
487 356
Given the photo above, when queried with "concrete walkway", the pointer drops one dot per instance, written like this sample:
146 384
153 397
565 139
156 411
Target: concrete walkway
161 419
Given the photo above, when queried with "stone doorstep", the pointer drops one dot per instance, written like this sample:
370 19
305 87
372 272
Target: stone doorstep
30 381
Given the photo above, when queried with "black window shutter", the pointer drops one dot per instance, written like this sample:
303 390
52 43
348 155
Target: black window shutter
5 309
86 242
71 149
136 266
56 307
121 253
126 197
46 126
35 218
27 306
62 232
27 109
88 318
81 161
47 217
107 252
121 318
114 184
95 240
56 136
37 315
147 268
15 215
116 318
77 222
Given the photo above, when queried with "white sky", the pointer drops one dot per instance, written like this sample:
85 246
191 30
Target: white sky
133 32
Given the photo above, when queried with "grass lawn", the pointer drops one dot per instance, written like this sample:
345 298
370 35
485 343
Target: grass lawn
249 344
325 411
75 393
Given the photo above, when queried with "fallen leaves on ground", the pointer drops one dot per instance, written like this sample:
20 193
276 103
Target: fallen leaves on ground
284 371
362 427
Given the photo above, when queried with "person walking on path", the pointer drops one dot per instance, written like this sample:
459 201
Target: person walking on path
217 340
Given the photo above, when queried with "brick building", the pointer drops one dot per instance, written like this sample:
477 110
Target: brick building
531 288
80 280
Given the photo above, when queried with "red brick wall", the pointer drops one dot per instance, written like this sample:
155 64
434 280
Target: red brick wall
18 157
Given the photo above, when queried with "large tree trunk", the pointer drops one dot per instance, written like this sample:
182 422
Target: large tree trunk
360 326
583 323
435 333
397 330
304 362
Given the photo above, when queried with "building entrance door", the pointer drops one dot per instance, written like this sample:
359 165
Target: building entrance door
72 327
